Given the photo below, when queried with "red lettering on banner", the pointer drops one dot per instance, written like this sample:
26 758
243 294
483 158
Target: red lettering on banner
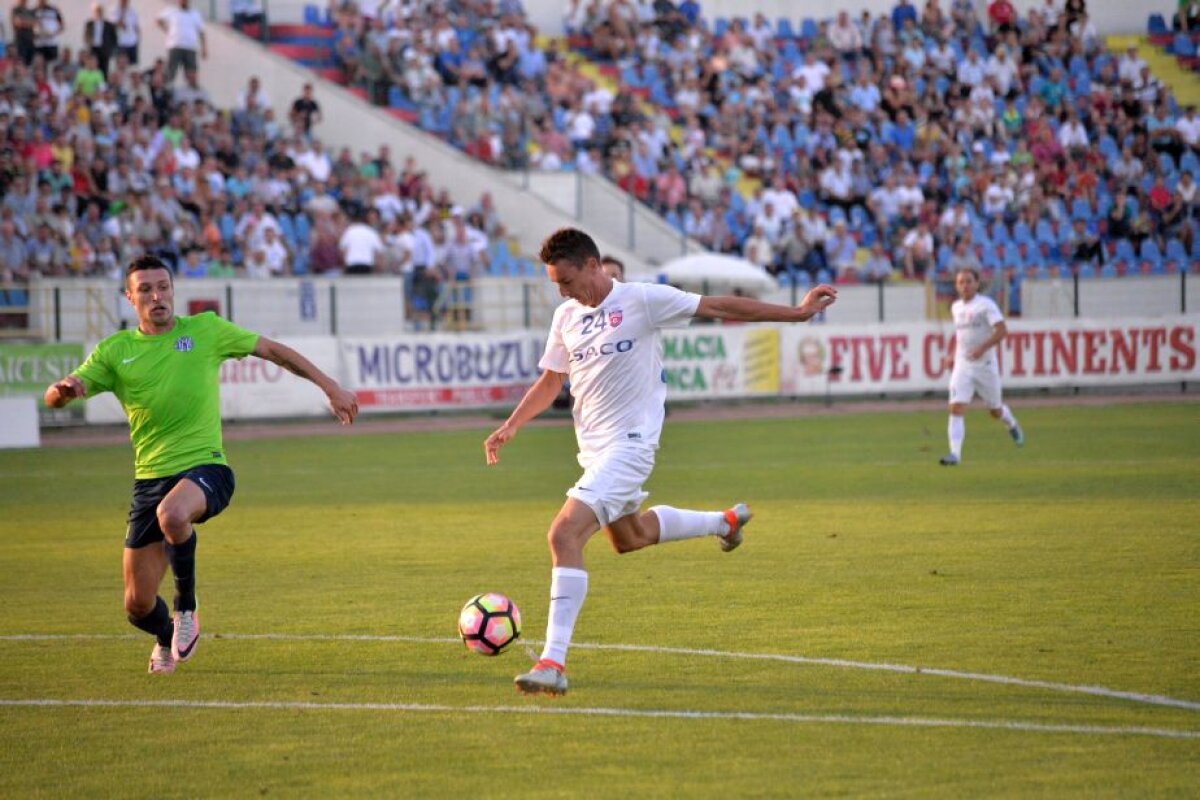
871 358
1093 361
875 358
1183 345
1064 358
1124 349
898 354
933 355
1016 343
1155 338
837 348
1039 352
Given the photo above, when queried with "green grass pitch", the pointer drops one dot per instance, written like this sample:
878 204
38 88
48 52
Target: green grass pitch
1073 562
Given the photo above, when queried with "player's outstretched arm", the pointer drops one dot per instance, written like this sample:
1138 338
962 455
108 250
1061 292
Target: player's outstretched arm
746 309
539 397
342 403
59 393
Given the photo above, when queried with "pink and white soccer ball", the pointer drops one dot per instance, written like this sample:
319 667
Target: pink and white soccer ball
489 623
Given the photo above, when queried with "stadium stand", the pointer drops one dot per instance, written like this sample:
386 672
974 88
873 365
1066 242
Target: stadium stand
96 169
1022 123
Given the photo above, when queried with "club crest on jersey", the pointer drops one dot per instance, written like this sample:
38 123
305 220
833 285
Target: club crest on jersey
615 316
184 344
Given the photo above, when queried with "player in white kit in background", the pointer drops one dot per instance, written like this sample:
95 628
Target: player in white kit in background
603 338
979 327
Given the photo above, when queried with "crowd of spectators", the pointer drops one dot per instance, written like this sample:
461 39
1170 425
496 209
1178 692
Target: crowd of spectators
102 161
854 147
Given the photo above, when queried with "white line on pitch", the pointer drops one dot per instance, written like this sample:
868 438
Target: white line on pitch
1098 691
837 719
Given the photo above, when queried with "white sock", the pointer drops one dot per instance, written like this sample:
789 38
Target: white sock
568 588
958 431
678 523
1006 416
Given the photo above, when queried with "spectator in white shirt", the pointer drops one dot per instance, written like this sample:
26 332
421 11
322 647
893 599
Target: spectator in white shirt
845 36
1071 133
1189 127
780 196
1003 70
1130 65
362 249
972 71
918 251
184 29
129 32
910 193
813 71
769 221
758 248
275 252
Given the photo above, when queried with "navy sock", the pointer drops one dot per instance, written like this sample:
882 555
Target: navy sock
157 622
183 564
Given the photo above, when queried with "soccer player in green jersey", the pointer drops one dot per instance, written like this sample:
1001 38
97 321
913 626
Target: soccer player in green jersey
166 375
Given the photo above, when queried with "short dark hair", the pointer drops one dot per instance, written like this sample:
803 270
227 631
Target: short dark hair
146 262
569 244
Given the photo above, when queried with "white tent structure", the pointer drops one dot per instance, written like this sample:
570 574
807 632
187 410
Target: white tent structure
713 273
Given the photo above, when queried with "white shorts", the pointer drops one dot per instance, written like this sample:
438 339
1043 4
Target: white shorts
966 382
611 485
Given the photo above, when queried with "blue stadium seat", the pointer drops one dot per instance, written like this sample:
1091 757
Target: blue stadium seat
1183 46
1176 251
720 26
824 276
1044 233
1081 209
1109 270
1150 251
1156 25
808 29
1124 251
1021 233
783 29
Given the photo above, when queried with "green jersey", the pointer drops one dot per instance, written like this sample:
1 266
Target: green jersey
169 386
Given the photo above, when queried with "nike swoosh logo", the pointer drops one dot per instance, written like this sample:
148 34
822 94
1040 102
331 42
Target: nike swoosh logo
204 483
130 360
583 488
564 597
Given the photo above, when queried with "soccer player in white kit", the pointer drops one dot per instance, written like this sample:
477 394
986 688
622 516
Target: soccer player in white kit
604 339
979 327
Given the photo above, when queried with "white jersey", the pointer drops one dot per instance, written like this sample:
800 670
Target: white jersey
973 323
613 357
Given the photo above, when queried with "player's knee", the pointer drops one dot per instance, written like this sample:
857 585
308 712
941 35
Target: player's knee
995 412
172 518
621 545
137 607
560 540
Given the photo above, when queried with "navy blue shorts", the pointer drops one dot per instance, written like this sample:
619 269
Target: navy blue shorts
215 480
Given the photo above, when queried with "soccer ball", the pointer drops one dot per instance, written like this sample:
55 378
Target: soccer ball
489 623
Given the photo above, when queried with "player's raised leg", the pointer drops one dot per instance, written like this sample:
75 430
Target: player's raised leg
663 524
143 569
568 535
182 506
